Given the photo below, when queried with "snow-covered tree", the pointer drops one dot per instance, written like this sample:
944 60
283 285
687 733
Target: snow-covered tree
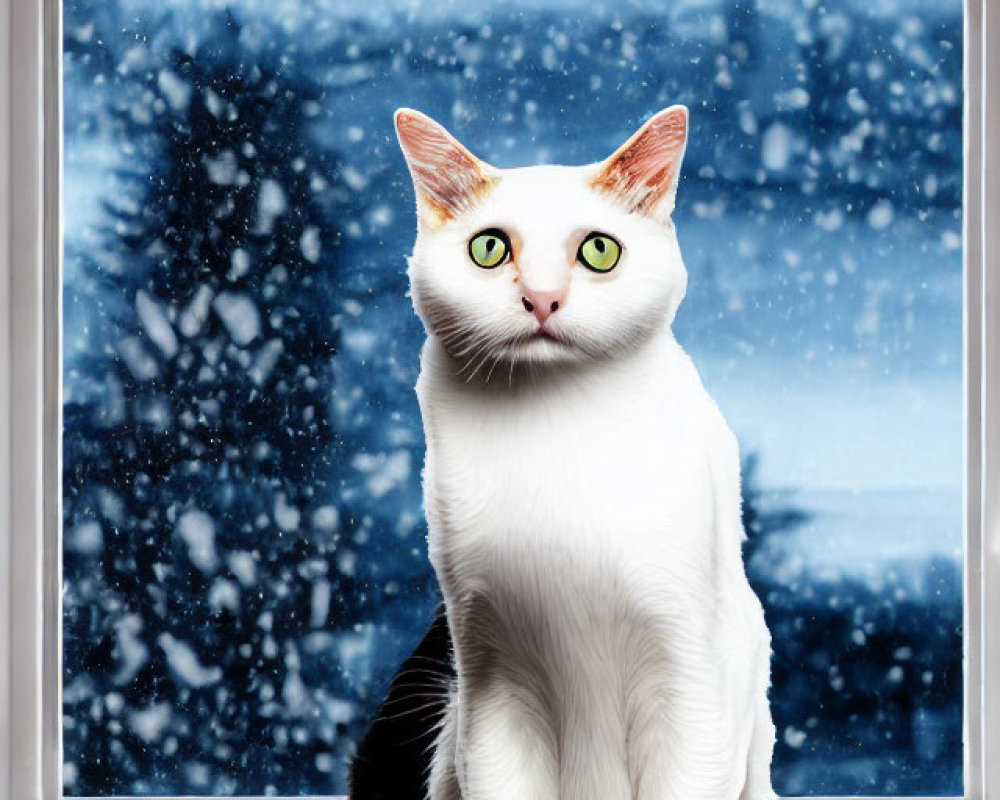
201 463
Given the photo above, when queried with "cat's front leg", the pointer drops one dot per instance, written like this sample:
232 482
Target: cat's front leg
504 748
442 783
757 785
683 744
758 780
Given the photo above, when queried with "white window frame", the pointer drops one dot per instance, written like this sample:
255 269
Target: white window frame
30 402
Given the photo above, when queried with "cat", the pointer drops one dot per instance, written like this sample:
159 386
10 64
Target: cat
582 493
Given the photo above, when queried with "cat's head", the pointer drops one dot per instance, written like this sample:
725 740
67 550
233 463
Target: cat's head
545 264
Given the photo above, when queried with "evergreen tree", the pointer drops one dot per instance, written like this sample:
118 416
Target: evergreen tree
203 589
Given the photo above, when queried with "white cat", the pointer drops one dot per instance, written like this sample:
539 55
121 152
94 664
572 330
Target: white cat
581 487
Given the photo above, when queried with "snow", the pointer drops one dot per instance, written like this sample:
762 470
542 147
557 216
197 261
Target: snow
138 360
177 92
214 103
325 762
224 595
243 565
155 323
239 314
271 204
338 711
326 518
354 178
111 505
223 168
85 538
197 774
881 215
360 342
794 99
286 516
149 724
951 240
265 360
353 653
347 563
832 220
197 530
240 261
295 695
856 102
320 603
794 738
185 663
155 412
309 242
131 653
193 317
776 147
385 471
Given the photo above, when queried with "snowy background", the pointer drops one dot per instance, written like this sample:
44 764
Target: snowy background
244 557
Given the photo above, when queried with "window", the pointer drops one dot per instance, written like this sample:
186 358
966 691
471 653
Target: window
240 533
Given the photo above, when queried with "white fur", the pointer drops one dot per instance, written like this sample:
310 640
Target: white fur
583 500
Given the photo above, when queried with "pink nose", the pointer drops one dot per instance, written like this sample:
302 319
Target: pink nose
542 304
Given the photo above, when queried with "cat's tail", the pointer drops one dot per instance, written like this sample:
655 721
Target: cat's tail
394 758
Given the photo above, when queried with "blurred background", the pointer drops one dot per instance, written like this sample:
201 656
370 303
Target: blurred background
244 550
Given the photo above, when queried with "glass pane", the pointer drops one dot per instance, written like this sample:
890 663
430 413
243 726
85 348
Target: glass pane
245 562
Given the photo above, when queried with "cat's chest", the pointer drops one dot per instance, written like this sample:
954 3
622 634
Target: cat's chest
618 466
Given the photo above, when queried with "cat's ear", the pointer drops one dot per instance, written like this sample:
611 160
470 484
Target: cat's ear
643 172
447 178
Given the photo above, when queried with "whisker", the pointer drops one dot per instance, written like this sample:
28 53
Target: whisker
496 360
417 710
431 659
433 698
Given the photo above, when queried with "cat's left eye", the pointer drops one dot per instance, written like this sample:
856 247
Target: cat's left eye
599 252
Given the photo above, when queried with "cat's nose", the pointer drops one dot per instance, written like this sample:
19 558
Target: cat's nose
542 304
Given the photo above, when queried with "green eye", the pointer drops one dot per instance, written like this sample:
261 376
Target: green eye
599 252
490 248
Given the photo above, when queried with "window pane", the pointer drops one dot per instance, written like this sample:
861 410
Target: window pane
244 556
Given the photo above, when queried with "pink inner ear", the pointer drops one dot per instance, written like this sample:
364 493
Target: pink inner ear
643 171
447 176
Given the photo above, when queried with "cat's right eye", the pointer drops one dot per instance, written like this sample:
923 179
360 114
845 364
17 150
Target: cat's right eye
489 248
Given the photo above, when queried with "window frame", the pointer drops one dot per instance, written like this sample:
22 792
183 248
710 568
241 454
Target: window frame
31 424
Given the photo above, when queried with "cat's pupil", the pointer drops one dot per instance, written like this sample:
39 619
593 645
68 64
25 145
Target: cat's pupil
599 244
490 244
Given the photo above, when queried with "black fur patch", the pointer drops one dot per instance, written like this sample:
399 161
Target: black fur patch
394 758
